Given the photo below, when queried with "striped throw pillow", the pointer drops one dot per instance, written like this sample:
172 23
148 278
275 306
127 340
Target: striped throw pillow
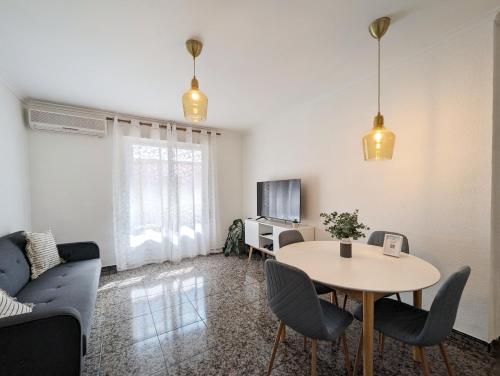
9 306
42 253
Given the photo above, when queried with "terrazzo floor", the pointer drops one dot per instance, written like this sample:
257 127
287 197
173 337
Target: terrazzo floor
208 316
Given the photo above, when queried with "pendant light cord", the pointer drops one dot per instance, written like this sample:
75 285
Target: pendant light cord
379 75
194 67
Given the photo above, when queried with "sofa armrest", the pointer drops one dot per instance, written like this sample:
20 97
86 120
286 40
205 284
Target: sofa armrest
41 343
78 251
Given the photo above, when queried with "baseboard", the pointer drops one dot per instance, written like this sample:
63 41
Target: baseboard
468 340
110 269
106 270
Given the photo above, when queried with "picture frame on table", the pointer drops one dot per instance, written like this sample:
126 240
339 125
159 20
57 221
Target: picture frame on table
392 245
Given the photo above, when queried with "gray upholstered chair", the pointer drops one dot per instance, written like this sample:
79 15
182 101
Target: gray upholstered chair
293 299
293 236
418 327
290 237
377 238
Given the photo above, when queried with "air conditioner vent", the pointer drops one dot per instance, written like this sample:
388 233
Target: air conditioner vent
68 123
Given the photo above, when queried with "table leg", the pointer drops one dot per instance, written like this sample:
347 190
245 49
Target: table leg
368 302
417 302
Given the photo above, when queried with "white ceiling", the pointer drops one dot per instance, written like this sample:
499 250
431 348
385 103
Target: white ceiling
260 56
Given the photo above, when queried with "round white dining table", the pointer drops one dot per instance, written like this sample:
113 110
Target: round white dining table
366 277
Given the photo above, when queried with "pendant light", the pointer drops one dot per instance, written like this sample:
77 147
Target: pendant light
194 101
378 144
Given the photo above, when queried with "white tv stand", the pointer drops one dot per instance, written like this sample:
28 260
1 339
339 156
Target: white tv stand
262 233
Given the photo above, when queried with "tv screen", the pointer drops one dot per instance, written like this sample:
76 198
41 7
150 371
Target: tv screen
279 199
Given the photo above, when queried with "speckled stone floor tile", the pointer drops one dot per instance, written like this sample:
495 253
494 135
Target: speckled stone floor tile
175 317
230 327
185 342
162 286
215 305
246 358
91 365
125 310
94 342
209 316
123 333
141 358
249 293
206 288
114 296
98 318
166 300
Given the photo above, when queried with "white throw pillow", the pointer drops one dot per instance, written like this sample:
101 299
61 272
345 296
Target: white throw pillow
9 306
42 253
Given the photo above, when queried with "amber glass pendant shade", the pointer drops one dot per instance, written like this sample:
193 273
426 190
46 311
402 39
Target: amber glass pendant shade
378 144
195 103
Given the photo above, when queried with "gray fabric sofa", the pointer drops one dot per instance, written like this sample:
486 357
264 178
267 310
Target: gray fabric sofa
52 339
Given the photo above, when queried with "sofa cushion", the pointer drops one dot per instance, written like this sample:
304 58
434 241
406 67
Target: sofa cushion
14 268
9 306
42 253
73 284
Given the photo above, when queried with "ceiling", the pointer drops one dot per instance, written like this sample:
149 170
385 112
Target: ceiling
260 57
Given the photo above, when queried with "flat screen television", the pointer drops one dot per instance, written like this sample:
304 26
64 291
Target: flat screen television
279 199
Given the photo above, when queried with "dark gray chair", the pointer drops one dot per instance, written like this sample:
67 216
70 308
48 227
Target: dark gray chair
377 238
293 299
418 327
293 236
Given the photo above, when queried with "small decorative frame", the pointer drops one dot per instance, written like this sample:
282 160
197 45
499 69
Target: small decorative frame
392 245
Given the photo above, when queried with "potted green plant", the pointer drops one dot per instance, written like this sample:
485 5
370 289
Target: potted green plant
344 227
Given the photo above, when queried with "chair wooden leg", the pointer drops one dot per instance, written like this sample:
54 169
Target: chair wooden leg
333 298
283 334
314 357
417 303
423 360
358 354
345 301
275 347
345 349
446 359
250 253
305 343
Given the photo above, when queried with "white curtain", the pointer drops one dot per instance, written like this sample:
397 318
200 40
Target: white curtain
164 194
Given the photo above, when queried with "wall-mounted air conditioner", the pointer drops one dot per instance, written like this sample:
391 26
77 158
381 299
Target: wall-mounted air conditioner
53 118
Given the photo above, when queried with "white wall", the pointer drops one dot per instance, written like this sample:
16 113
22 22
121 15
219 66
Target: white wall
436 190
14 169
72 186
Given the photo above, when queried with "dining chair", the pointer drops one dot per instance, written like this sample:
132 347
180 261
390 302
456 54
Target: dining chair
292 298
418 327
377 238
293 236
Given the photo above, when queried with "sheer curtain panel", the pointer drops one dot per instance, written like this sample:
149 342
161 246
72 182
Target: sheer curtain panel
164 194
